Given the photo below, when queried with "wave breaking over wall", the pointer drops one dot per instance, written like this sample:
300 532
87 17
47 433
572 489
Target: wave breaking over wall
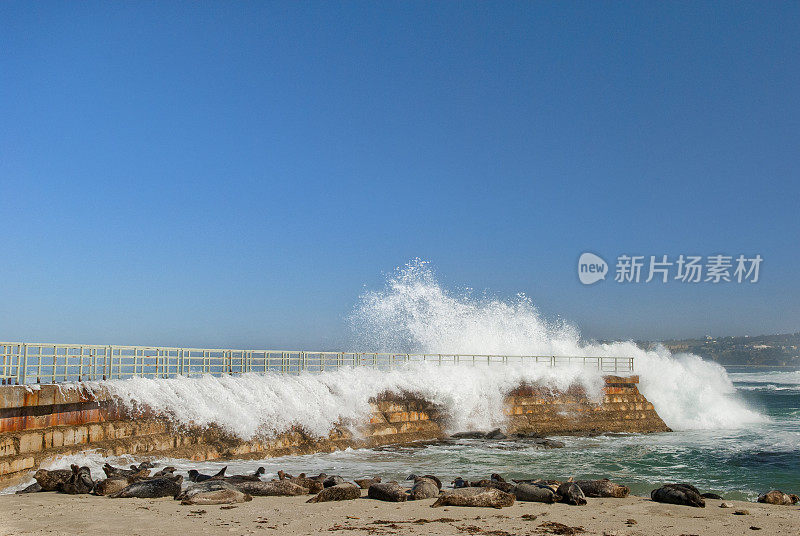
414 314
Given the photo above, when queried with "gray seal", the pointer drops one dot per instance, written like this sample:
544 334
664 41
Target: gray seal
33 488
152 488
218 496
508 487
365 483
485 497
682 494
388 491
333 480
430 477
276 488
80 482
423 488
339 492
52 480
571 493
532 492
602 488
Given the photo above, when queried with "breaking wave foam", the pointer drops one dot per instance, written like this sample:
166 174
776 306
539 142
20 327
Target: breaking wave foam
413 313
267 404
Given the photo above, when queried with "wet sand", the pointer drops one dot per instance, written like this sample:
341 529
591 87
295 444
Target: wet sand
57 514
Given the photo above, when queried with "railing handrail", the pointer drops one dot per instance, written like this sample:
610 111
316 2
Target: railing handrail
23 363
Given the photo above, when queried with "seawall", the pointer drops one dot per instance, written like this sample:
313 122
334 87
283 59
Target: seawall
39 423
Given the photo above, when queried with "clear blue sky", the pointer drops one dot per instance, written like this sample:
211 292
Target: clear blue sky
236 174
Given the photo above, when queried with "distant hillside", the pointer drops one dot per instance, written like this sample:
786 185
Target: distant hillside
757 350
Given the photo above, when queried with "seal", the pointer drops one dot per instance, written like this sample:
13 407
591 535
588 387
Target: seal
276 488
534 492
33 488
429 477
459 483
80 481
167 471
387 491
424 488
112 471
571 493
311 484
52 480
333 480
255 477
682 494
602 488
365 483
712 496
485 497
340 492
202 487
110 485
778 497
218 496
508 487
149 489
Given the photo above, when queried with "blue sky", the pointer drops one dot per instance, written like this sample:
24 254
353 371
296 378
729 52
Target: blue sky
236 174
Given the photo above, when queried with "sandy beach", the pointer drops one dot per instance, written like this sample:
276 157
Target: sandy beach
56 514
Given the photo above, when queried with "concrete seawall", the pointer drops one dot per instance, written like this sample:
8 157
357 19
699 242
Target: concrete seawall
40 423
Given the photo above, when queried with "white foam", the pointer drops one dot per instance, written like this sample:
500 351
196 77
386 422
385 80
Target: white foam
267 404
413 313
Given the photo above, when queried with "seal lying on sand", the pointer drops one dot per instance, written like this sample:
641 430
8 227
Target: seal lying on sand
486 497
255 477
712 496
196 476
168 486
778 497
429 477
79 482
52 480
110 485
571 493
221 493
33 488
311 484
388 491
683 494
112 471
202 487
552 484
333 480
276 488
508 487
167 471
535 493
602 488
365 483
339 492
459 483
424 488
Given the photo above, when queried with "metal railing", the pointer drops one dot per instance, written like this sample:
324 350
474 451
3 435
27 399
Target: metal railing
28 363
